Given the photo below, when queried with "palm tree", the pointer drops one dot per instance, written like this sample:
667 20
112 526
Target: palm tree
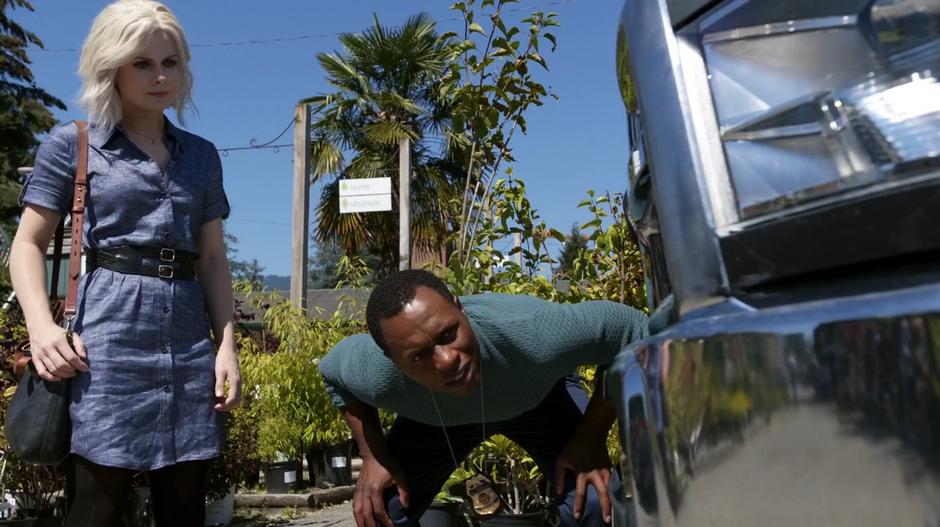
386 82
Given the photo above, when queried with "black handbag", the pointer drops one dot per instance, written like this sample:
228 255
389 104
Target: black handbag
37 426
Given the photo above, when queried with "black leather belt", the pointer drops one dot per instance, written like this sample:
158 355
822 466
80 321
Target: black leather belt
148 261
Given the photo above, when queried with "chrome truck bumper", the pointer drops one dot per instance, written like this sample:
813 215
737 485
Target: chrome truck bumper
820 413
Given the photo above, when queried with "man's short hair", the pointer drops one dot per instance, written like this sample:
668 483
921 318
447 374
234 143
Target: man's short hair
393 293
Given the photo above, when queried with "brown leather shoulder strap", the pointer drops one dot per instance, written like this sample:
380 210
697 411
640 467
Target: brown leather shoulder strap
78 218
57 260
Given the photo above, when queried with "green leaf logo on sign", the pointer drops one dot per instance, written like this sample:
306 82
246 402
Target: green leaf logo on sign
343 186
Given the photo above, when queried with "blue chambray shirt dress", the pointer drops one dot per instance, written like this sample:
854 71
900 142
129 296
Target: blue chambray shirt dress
147 400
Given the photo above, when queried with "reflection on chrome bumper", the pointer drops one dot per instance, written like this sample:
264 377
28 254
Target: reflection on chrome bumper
826 413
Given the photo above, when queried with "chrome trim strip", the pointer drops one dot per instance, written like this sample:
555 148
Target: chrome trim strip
777 132
777 28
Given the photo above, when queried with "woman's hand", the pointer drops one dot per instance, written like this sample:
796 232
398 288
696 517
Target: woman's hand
226 372
53 357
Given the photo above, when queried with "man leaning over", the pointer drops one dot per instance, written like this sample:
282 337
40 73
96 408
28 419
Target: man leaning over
480 364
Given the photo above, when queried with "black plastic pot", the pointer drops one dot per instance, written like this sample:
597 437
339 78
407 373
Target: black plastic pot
338 463
282 477
315 469
330 466
529 519
440 514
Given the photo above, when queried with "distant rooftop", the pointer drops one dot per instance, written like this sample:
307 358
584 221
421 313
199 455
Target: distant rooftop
321 303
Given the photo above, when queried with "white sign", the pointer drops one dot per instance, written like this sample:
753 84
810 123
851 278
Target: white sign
290 476
365 186
373 203
339 462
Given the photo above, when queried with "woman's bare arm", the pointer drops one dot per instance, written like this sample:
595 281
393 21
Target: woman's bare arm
53 357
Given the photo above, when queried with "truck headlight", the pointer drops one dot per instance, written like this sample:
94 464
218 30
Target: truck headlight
844 100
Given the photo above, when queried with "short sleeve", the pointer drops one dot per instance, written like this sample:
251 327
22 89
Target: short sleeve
338 395
349 375
52 181
329 366
216 201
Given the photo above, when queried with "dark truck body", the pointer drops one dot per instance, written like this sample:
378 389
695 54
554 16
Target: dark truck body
785 190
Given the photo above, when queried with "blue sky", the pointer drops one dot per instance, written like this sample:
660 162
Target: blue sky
248 91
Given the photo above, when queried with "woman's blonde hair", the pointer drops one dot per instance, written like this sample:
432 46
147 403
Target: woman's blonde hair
119 33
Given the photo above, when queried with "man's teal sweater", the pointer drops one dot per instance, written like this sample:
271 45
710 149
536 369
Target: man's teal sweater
526 345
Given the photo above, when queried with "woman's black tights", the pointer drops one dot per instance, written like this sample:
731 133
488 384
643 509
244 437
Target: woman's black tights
99 494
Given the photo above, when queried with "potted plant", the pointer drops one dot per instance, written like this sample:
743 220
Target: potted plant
237 464
289 400
37 490
331 445
280 437
516 479
276 439
444 511
447 508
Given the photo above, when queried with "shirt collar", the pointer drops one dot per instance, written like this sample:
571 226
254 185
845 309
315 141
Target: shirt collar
99 137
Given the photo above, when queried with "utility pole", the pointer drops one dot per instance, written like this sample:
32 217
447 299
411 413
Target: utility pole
404 204
301 207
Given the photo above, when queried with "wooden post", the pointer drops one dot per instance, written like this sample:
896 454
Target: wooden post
301 207
404 204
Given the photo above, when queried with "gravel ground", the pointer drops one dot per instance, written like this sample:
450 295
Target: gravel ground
332 516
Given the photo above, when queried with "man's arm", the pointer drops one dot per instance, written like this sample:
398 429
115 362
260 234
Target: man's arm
379 470
587 333
586 453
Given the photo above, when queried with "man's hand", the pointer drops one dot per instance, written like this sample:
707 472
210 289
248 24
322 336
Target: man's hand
588 460
369 500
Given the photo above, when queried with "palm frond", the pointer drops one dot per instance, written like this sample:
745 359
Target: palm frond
386 87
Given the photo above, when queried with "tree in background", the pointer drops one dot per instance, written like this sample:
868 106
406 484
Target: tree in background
252 271
321 271
324 269
611 267
387 88
24 112
575 242
491 84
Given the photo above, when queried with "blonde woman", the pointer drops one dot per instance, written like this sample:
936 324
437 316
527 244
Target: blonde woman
148 383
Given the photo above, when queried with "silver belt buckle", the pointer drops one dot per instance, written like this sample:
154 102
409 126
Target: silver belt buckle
167 255
165 271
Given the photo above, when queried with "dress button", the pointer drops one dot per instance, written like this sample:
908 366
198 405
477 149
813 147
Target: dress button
166 309
166 235
163 195
166 389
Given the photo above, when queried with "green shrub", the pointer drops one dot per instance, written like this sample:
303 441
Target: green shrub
284 392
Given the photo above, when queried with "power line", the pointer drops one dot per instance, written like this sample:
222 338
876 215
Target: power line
278 40
266 222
